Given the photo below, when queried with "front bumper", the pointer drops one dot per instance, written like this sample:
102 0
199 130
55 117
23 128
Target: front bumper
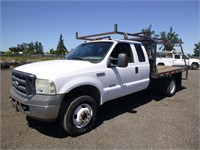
42 107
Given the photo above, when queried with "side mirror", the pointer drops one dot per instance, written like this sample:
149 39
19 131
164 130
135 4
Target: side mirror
122 60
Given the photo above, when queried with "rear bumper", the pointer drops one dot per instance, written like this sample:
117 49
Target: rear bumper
41 107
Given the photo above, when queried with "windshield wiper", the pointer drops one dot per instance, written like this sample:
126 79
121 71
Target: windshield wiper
78 58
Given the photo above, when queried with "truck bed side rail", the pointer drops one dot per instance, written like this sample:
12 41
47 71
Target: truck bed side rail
165 71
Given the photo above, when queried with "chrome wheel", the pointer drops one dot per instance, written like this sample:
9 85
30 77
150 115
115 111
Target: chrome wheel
172 87
169 86
82 115
78 114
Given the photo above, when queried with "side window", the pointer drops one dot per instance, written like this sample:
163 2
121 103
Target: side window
177 56
122 48
140 52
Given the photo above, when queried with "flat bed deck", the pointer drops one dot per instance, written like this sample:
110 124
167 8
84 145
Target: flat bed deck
163 71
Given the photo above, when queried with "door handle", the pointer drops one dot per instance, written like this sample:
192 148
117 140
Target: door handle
136 70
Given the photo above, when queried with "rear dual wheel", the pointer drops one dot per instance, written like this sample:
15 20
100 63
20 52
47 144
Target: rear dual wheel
169 86
78 114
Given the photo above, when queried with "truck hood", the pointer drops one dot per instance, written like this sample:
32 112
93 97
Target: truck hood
48 69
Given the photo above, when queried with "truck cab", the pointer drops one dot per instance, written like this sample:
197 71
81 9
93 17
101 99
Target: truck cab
117 80
103 70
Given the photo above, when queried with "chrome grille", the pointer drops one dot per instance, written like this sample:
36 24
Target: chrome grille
23 83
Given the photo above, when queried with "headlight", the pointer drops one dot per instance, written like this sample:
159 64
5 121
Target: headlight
45 87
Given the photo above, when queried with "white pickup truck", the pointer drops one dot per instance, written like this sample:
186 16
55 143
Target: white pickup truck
93 73
178 60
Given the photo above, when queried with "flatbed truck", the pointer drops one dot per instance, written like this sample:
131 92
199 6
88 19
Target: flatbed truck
95 72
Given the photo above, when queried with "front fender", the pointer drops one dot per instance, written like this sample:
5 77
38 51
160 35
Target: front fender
81 81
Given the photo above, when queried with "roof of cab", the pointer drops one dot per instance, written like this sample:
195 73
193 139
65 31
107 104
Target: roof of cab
115 41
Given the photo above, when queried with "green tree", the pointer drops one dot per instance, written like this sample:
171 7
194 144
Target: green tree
61 49
8 53
28 48
38 48
31 48
197 49
22 47
14 50
171 39
52 51
148 32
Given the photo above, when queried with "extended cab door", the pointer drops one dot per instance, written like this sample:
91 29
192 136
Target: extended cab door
142 63
124 81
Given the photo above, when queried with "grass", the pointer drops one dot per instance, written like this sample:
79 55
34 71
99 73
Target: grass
26 58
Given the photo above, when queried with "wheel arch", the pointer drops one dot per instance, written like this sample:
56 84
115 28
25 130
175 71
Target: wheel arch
86 85
161 64
89 90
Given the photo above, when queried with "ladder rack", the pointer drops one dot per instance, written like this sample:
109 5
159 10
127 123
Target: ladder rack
150 43
139 36
98 36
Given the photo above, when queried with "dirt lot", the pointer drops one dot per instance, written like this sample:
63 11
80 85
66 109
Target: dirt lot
139 121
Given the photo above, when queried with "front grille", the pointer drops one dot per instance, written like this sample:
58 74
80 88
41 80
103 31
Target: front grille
23 83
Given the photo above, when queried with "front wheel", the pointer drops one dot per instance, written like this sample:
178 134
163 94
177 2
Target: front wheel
169 86
78 115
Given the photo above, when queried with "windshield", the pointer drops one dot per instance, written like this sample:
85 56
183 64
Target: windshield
93 52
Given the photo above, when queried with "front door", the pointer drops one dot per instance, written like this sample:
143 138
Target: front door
122 81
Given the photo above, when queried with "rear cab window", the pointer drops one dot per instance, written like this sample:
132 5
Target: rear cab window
140 53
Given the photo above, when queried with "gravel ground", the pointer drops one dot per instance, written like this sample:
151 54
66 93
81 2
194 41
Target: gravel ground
138 121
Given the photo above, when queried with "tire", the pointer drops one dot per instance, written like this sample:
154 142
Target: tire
78 115
169 87
194 66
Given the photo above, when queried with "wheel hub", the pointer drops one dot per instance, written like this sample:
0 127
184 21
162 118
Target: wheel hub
82 115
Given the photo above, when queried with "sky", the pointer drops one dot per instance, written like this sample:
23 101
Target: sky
44 20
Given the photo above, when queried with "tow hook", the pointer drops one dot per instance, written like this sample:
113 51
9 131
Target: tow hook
16 105
17 108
